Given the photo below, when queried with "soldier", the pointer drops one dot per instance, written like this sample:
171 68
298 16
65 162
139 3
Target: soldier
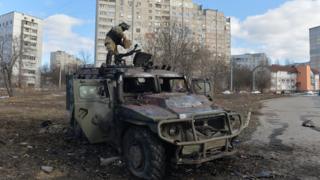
114 38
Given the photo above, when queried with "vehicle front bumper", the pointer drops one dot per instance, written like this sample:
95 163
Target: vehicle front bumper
207 149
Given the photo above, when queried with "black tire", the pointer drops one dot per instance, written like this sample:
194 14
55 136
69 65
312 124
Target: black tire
144 154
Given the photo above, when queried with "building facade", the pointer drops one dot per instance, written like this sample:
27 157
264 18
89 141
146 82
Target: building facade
209 28
314 35
300 78
283 78
307 78
250 61
67 62
27 30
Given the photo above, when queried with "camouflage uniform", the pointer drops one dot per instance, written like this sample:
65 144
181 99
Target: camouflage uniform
114 38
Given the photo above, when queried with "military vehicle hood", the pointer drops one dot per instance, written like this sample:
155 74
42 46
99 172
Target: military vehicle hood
171 105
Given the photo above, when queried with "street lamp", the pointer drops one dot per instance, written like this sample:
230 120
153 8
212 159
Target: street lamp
60 74
231 75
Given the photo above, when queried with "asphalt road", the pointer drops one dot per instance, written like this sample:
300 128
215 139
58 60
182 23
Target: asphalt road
281 129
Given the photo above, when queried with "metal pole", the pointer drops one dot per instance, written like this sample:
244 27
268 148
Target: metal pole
231 74
60 76
253 80
132 20
182 13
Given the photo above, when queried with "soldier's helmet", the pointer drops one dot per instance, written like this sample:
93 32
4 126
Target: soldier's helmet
124 26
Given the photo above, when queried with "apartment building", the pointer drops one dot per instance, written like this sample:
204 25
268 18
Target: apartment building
250 61
27 30
209 28
67 62
314 36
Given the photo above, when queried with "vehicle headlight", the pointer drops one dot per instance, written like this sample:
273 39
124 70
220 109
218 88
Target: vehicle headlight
173 131
182 116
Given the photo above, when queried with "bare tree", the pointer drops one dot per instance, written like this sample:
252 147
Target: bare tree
263 79
173 45
10 54
213 68
85 57
242 78
218 73
45 75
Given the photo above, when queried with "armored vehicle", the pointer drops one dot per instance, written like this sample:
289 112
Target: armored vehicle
151 115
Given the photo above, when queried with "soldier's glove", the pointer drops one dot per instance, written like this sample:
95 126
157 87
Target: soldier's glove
126 43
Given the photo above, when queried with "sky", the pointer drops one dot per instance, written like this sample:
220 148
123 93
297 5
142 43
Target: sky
280 28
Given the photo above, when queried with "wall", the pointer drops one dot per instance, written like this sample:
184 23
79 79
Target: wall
303 79
283 81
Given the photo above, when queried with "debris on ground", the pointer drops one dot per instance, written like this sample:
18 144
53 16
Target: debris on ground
23 143
308 123
47 169
15 157
50 128
45 124
2 142
42 128
108 161
265 174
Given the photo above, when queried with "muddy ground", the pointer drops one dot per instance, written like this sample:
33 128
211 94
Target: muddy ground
33 133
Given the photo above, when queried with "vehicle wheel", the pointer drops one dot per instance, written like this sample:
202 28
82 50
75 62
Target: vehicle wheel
144 154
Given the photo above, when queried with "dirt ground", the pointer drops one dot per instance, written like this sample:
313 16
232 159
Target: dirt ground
33 133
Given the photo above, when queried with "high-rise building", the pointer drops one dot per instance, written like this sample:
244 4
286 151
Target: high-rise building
314 34
67 62
209 28
28 31
250 61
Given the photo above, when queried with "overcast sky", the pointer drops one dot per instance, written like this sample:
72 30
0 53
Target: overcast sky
278 27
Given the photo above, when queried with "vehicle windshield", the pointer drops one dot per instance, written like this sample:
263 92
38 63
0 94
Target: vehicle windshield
139 85
173 84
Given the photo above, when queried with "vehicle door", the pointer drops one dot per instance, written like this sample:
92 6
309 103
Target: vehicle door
93 108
